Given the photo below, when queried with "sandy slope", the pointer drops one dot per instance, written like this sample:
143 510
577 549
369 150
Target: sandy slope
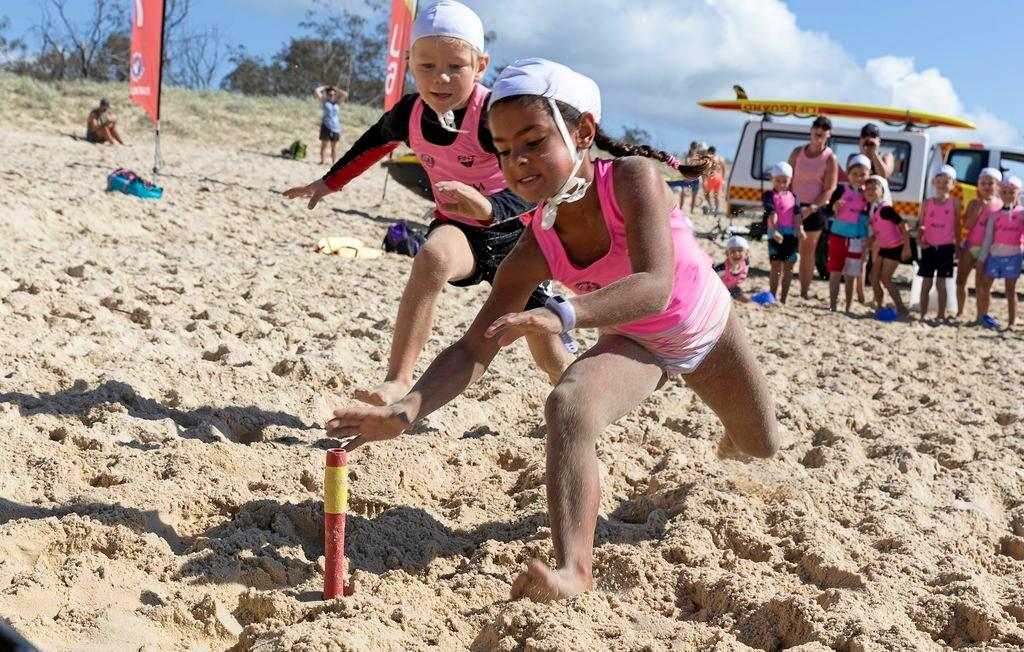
163 368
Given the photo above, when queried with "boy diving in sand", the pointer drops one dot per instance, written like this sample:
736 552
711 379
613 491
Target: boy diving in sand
610 230
477 220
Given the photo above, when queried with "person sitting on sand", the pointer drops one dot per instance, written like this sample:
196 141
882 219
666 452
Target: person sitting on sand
610 230
101 125
330 122
736 267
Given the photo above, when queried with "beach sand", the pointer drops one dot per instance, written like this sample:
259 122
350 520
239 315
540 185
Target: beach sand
166 368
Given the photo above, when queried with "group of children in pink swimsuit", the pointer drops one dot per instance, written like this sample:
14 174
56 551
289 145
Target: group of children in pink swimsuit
521 201
986 237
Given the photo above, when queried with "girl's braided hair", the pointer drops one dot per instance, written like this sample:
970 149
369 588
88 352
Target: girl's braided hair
703 164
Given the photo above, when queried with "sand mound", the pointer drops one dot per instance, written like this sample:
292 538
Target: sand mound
164 372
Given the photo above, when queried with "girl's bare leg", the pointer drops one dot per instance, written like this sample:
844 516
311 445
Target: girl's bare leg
940 291
807 248
774 276
323 152
848 284
982 293
926 288
964 267
731 383
334 151
860 283
787 280
577 411
888 268
445 257
112 130
1011 301
834 279
550 355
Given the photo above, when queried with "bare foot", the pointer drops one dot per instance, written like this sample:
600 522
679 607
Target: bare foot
383 394
728 451
541 584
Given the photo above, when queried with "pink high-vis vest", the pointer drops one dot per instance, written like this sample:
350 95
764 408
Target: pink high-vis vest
694 275
1009 232
853 205
939 222
785 209
464 160
887 234
976 236
809 175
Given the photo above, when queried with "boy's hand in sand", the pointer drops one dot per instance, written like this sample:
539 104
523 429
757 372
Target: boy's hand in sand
511 327
365 423
458 197
315 191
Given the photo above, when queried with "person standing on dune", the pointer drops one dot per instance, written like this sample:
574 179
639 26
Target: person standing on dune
330 121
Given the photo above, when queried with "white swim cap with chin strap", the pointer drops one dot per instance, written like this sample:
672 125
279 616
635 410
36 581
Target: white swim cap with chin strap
453 20
556 83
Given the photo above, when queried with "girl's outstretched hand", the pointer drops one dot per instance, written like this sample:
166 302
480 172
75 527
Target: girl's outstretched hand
511 327
315 191
366 423
458 197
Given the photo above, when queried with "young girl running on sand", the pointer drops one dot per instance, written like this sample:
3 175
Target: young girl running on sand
1001 253
938 220
890 241
477 219
780 216
975 218
609 229
847 240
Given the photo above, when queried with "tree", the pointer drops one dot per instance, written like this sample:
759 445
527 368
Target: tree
11 49
85 48
340 48
197 59
636 136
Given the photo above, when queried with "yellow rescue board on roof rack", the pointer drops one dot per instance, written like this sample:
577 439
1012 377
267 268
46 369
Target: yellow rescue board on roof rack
809 109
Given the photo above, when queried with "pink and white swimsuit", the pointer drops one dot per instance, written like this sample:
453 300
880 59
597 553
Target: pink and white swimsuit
1004 234
683 334
731 278
465 160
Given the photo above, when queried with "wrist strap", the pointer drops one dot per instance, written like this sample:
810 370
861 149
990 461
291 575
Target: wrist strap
566 313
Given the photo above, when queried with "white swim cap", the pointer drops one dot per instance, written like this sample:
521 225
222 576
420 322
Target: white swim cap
449 18
781 169
991 172
737 242
551 80
884 183
554 82
1013 181
859 159
947 171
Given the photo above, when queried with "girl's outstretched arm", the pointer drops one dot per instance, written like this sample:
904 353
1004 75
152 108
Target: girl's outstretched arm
646 203
459 365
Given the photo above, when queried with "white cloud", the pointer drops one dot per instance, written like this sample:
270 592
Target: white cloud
655 58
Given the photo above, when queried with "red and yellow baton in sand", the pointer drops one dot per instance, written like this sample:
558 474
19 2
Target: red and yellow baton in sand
335 506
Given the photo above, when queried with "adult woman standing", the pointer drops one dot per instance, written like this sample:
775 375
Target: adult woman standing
815 176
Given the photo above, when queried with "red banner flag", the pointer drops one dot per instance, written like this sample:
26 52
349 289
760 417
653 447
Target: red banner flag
147 55
399 30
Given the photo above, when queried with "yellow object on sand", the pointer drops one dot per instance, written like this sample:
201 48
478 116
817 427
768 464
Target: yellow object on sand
346 247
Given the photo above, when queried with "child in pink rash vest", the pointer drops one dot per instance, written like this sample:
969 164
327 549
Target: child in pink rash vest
610 230
938 220
1001 255
736 267
477 220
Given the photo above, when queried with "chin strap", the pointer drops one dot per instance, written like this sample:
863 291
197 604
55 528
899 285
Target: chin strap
447 121
574 187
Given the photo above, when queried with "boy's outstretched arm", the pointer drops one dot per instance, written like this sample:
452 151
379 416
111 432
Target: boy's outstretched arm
459 365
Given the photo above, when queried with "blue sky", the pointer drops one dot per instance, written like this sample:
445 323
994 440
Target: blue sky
659 56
